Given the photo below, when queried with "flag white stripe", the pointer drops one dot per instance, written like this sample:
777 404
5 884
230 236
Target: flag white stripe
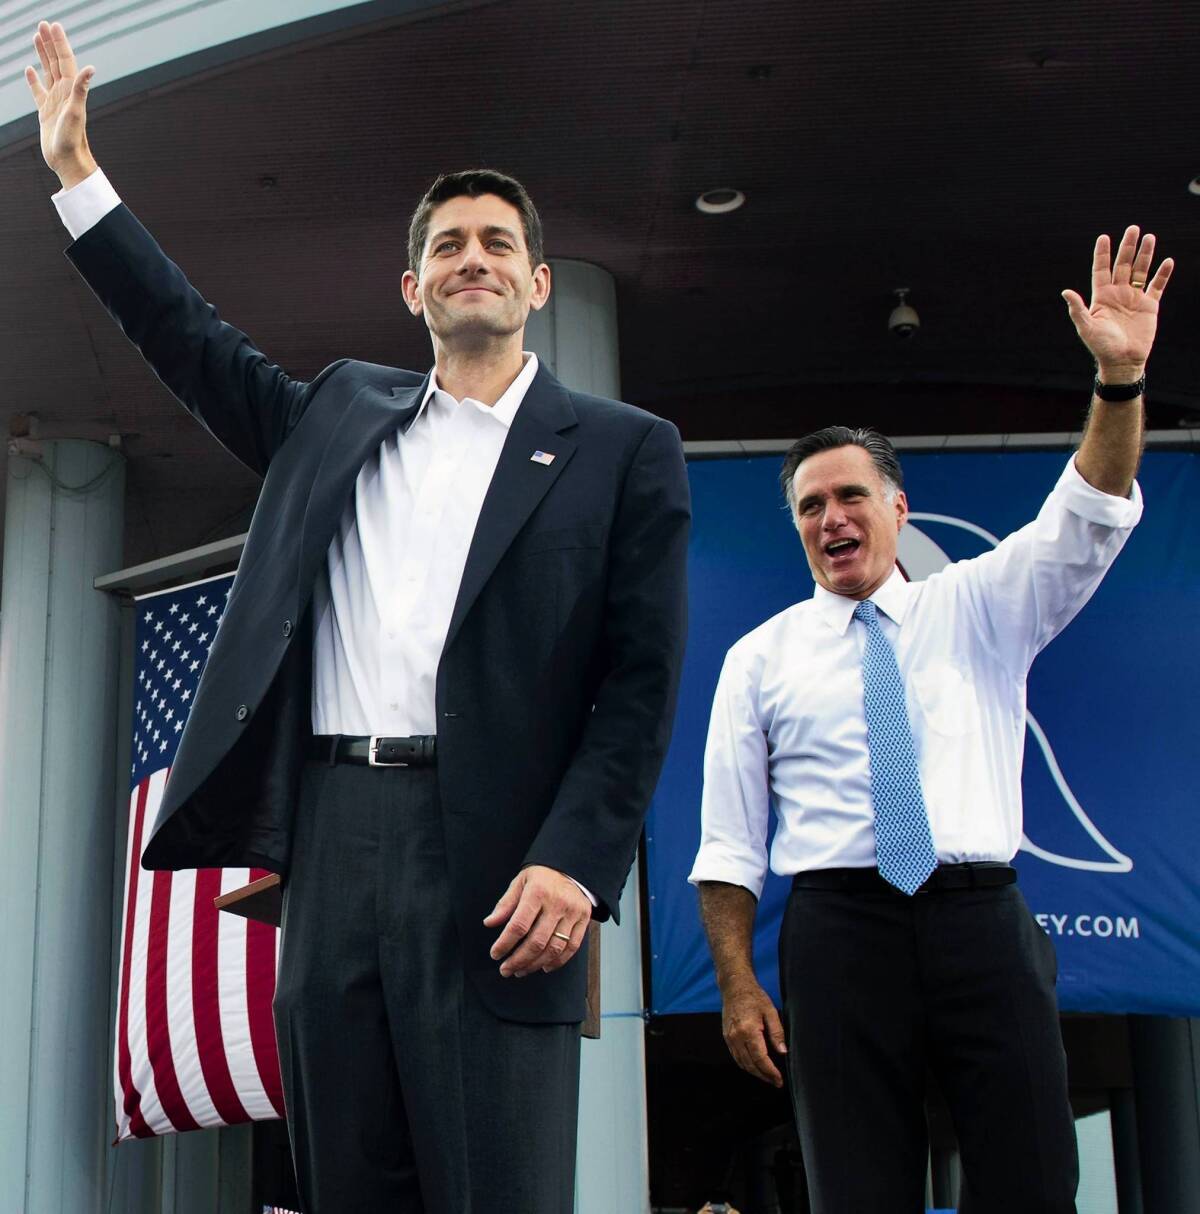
181 1023
235 1012
142 1075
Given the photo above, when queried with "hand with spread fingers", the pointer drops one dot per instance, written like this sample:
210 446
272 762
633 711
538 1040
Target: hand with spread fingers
61 97
1119 324
546 917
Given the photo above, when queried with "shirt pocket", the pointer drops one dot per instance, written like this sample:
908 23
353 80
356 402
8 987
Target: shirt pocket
947 700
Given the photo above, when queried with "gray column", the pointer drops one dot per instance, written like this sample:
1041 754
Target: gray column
59 647
208 1171
575 335
1166 1084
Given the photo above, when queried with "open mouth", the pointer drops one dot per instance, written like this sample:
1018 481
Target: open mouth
838 548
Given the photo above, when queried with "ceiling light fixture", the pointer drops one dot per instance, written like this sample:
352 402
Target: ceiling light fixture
1194 185
719 202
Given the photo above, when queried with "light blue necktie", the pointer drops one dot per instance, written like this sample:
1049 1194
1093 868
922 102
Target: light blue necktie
903 842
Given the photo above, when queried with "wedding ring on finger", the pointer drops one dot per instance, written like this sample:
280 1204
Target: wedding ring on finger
1137 286
563 936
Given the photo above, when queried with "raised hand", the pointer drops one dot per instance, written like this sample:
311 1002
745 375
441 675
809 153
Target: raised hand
61 97
1119 324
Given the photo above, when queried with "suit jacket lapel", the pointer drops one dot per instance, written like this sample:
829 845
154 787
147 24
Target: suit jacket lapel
366 422
518 485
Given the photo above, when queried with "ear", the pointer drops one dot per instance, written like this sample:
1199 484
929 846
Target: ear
540 291
411 289
901 504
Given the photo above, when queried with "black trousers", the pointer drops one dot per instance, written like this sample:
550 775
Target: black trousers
404 1093
878 990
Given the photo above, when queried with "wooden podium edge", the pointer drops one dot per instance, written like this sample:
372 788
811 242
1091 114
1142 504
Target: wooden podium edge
262 900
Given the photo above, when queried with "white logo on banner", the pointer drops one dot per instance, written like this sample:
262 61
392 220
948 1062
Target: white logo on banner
921 556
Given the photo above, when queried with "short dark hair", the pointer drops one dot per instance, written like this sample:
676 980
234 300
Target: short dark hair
473 183
881 451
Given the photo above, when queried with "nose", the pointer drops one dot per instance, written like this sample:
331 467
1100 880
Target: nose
472 262
835 516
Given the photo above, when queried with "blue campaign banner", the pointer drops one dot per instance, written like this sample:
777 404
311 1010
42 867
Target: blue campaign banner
1112 829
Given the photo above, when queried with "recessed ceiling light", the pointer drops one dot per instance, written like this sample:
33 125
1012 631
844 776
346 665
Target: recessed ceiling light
1194 185
720 202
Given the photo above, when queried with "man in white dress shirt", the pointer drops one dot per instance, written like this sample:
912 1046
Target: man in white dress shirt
886 719
439 698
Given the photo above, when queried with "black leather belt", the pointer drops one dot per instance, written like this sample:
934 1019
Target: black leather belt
375 751
979 875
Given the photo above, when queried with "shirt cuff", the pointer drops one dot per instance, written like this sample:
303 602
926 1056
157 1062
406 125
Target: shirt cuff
590 896
1092 504
84 205
729 870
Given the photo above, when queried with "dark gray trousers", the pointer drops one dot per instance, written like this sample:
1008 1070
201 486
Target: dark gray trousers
879 989
404 1093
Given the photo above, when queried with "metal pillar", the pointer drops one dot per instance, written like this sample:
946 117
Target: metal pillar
59 648
1166 1077
575 334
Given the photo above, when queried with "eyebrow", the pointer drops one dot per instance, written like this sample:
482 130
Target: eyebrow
842 491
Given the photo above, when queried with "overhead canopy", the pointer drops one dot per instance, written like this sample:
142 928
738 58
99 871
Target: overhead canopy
968 153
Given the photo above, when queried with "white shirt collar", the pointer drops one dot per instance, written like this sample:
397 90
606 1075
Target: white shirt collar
505 409
837 610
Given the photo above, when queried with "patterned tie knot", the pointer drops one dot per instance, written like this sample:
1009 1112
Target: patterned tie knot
865 611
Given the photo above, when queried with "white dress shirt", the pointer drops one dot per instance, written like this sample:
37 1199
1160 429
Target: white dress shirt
393 570
788 723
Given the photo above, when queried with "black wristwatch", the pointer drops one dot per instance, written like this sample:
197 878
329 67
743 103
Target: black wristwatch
1115 393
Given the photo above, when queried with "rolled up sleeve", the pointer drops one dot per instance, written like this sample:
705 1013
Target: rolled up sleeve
1096 506
735 807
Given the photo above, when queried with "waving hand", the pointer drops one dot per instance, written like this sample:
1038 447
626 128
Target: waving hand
61 97
1119 324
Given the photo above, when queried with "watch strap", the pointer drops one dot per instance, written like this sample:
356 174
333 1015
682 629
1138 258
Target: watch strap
1115 393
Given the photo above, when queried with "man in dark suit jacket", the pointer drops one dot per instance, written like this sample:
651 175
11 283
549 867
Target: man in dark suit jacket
493 561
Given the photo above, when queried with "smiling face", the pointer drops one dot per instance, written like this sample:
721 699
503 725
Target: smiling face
476 284
848 517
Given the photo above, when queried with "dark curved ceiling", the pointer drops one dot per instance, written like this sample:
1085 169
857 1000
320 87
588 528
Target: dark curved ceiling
970 152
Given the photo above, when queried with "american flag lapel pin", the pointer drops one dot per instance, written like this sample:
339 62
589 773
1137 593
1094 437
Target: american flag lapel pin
545 458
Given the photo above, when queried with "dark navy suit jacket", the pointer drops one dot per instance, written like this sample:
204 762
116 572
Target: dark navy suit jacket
557 684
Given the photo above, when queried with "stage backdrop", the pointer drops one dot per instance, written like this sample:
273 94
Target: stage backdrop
195 1040
1112 828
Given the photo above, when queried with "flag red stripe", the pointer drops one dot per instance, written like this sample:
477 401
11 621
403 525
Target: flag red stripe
260 990
132 1098
158 1035
206 1002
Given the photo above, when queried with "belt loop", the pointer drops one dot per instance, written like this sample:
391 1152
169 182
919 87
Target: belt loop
334 739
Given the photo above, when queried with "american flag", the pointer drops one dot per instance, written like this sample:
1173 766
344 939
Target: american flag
195 1038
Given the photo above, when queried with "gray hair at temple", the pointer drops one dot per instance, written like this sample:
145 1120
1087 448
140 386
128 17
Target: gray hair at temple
882 453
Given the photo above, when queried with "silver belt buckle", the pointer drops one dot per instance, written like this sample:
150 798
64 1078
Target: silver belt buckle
373 749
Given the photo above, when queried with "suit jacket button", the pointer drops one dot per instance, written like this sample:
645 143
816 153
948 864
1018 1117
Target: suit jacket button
287 628
242 712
